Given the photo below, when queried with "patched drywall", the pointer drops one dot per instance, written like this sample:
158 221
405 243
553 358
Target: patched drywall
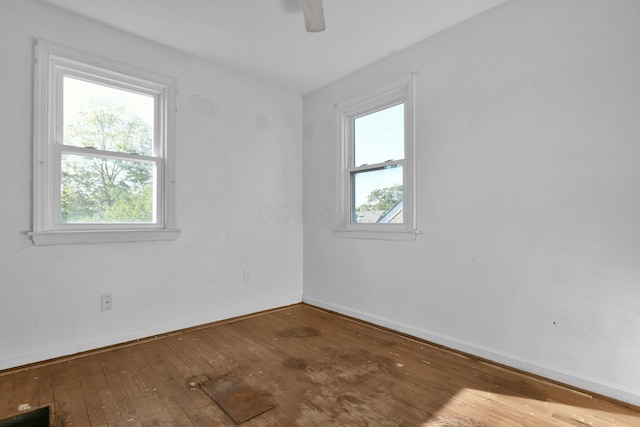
527 183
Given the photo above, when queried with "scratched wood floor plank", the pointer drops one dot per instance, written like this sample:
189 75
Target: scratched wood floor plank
45 386
159 384
115 396
90 393
16 389
68 395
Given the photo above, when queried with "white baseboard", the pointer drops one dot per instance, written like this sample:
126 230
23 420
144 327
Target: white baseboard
218 315
579 382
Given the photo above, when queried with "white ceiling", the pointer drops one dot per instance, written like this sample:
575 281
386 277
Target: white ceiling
266 39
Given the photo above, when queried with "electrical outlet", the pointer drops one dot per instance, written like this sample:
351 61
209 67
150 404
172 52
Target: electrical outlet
247 275
107 302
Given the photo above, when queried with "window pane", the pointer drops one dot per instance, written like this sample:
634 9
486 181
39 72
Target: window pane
379 136
105 118
377 196
100 190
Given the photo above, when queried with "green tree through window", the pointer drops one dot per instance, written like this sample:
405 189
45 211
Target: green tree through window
99 189
383 199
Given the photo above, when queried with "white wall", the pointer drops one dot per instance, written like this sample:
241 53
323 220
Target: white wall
239 160
528 141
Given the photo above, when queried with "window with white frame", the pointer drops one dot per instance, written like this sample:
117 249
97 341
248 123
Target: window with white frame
378 190
103 150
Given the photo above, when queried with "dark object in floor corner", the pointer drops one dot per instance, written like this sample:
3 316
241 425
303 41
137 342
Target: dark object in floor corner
37 418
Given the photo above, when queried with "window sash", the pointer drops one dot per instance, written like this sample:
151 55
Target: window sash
361 135
158 193
392 99
123 83
90 75
364 169
376 166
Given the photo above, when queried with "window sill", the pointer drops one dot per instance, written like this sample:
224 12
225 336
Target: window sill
405 235
45 238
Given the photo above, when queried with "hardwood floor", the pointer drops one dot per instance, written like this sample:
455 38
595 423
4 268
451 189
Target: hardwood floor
319 369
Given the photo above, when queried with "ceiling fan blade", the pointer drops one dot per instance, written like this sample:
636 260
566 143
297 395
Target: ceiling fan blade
313 15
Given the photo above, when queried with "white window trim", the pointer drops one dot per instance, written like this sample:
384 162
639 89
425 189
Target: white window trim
402 92
52 61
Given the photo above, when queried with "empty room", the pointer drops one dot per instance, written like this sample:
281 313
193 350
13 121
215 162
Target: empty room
320 212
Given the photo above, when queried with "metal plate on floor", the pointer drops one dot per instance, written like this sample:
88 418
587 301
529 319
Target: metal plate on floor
235 397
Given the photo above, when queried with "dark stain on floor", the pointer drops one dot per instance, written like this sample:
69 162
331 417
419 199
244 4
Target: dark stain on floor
302 332
295 363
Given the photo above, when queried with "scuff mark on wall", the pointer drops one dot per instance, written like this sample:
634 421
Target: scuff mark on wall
309 130
203 106
262 121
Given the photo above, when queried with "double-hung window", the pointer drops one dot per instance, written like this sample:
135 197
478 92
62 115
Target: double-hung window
378 190
103 150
